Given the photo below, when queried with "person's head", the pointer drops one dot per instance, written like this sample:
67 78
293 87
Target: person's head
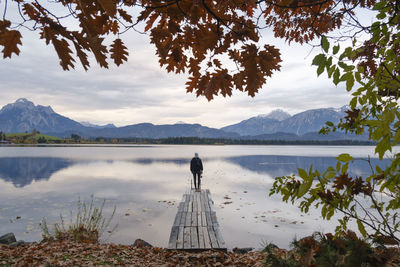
196 155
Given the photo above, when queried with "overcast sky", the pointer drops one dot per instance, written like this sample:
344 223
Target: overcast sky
140 91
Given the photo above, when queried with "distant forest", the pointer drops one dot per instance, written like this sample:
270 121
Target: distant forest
36 138
223 141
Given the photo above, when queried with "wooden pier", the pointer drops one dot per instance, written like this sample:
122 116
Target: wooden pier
195 226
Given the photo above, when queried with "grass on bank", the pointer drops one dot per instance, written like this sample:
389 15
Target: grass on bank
31 138
87 226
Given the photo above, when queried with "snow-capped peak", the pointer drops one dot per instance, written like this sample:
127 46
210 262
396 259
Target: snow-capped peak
277 114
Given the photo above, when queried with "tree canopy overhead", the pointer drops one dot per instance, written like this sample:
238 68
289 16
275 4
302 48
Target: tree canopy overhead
217 42
220 45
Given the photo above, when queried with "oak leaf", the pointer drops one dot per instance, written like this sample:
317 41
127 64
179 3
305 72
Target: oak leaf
30 11
10 41
119 52
125 15
99 50
64 53
109 6
82 56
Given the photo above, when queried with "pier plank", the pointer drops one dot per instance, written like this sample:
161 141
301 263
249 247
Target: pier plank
183 219
195 225
203 219
199 222
213 238
180 207
190 206
218 235
207 242
188 221
214 220
178 217
186 206
179 240
194 240
208 218
198 201
201 237
173 237
186 237
193 222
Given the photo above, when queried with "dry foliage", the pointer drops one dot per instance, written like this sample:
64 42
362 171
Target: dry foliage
67 253
218 43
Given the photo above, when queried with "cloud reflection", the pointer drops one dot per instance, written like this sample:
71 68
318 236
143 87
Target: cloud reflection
147 190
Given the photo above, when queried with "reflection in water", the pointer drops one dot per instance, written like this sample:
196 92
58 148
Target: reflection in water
147 187
22 171
285 165
148 161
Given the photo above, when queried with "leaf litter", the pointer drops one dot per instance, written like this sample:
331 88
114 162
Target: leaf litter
67 253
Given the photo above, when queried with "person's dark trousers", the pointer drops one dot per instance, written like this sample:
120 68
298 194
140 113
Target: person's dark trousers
196 183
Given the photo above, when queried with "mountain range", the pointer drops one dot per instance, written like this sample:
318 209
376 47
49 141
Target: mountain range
280 121
24 116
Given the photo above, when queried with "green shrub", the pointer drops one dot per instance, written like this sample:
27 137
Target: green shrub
346 250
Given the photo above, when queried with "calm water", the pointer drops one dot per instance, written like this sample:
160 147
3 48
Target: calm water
147 182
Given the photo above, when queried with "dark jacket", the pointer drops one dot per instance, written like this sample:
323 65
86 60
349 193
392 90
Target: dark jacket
196 166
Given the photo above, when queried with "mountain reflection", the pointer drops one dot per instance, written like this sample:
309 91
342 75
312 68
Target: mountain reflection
285 165
148 161
21 171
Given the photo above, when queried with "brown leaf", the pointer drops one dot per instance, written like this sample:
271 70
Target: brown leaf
64 53
125 15
119 52
99 50
82 56
30 11
10 41
109 6
4 24
150 21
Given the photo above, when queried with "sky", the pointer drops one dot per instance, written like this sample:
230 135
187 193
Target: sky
141 91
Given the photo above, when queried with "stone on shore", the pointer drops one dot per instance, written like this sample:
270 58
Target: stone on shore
17 243
242 250
140 243
7 239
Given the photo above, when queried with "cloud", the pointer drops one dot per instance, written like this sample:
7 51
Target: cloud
140 91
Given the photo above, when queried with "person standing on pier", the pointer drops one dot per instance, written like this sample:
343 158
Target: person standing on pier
196 167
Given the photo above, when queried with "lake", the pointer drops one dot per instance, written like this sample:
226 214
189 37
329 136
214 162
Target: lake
146 184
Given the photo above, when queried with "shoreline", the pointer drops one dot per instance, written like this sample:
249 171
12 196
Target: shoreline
69 253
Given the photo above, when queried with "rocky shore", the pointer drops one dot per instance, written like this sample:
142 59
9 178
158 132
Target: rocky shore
316 250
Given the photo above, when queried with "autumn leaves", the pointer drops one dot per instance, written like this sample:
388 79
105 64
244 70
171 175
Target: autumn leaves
96 19
216 42
9 39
